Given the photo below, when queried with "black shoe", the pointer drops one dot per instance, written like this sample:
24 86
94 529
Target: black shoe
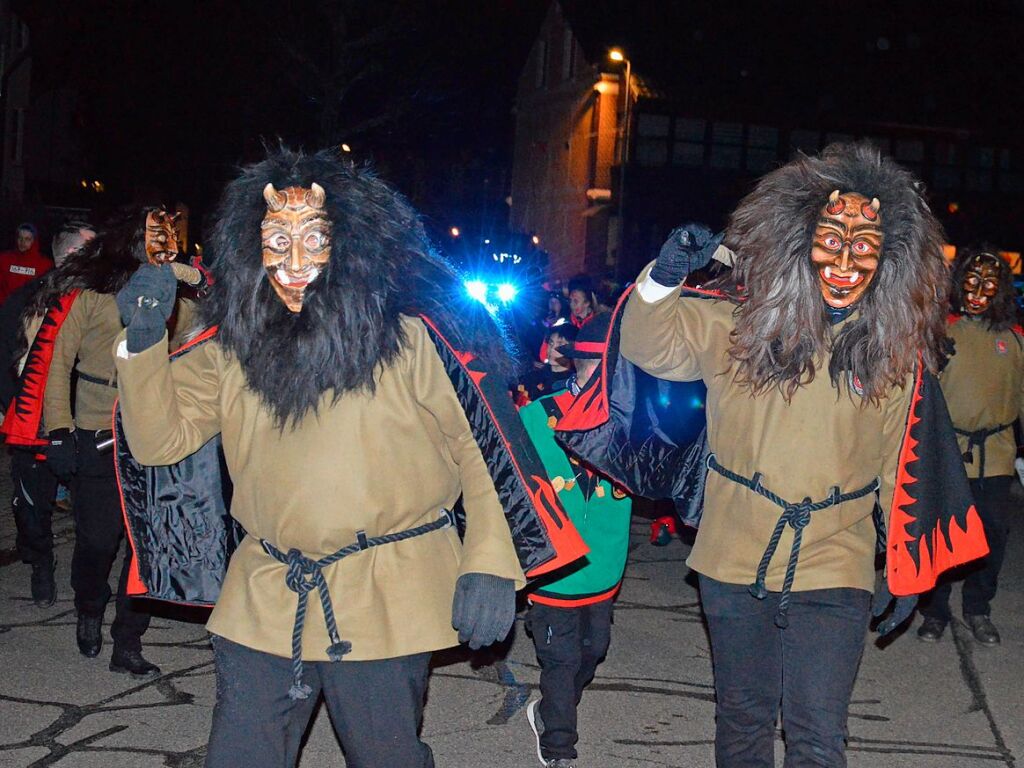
983 629
931 629
44 588
133 663
90 635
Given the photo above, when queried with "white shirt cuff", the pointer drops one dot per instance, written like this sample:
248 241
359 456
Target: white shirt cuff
652 291
122 350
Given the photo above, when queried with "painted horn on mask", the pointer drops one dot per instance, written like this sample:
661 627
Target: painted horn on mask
836 204
315 196
870 210
275 200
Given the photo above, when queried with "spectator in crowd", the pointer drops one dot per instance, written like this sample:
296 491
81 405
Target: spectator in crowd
23 264
553 373
33 483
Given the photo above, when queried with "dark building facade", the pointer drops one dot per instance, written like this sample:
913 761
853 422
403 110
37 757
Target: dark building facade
719 98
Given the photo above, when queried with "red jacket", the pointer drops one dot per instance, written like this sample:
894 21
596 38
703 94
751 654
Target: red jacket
17 268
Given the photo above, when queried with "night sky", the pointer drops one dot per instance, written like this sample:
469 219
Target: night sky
173 96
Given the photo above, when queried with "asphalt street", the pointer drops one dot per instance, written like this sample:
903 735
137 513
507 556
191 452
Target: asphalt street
949 705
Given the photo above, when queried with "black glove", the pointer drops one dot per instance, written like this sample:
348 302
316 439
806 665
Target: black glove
61 455
687 249
902 608
483 609
146 303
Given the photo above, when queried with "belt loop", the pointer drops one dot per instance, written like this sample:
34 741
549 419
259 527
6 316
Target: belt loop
361 539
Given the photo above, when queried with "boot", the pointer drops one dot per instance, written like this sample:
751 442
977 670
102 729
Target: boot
90 635
133 663
931 629
983 629
44 587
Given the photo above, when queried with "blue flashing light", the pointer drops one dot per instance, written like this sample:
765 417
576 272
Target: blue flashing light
477 289
507 292
696 403
664 401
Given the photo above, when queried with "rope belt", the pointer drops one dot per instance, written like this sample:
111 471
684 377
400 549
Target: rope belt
978 438
796 516
305 574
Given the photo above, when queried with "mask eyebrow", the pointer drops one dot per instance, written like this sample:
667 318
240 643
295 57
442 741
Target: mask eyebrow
867 229
823 222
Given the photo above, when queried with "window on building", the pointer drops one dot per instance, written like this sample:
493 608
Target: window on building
688 147
801 140
568 55
1011 172
652 139
726 145
762 148
980 162
541 74
909 150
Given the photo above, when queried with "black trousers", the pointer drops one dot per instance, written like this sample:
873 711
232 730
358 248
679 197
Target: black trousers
99 528
810 666
570 643
35 488
376 708
981 578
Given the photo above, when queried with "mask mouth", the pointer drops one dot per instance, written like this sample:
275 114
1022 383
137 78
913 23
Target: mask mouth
835 278
163 257
296 279
975 305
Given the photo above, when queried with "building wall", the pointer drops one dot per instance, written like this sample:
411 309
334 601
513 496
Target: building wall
566 122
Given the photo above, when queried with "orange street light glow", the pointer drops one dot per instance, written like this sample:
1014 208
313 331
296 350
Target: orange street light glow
616 54
455 231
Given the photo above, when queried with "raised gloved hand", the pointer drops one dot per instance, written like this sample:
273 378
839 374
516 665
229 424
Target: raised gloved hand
61 456
483 609
687 249
146 303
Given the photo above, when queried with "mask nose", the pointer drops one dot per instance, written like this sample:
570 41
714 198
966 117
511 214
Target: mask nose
844 259
295 256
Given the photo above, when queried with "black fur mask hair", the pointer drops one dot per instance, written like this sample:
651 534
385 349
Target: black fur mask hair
1002 309
348 330
782 328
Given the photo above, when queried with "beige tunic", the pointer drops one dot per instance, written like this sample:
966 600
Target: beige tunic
380 463
86 334
823 437
984 387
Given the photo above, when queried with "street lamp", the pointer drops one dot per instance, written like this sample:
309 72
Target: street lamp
618 56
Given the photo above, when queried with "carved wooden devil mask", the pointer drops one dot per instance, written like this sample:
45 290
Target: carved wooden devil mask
296 235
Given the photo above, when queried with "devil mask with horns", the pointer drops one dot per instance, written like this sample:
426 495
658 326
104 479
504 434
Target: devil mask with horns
296 237
846 246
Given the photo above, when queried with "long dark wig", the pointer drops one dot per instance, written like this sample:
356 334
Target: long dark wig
783 332
1002 309
349 328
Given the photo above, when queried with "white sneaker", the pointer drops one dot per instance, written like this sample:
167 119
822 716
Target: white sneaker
1018 464
533 717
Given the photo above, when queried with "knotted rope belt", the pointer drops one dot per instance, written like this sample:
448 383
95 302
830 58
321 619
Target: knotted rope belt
978 438
796 516
305 574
